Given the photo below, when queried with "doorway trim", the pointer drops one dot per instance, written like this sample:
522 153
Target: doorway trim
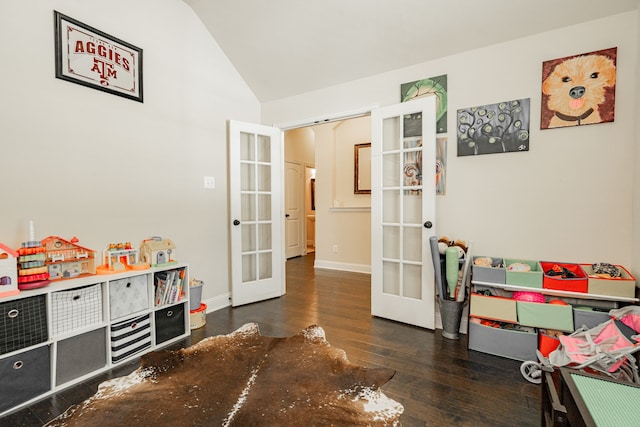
345 115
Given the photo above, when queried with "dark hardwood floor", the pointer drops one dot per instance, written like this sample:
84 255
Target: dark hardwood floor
439 381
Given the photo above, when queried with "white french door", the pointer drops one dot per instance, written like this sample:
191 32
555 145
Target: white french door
256 211
403 211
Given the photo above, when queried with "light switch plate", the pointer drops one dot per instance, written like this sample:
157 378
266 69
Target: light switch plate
209 182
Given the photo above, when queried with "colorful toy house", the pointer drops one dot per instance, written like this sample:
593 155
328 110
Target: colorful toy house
66 259
158 252
120 257
8 272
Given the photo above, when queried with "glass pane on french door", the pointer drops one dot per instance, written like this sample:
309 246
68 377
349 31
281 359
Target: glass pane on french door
402 207
256 197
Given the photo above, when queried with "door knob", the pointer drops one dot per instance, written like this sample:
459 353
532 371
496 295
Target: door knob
428 224
236 222
287 216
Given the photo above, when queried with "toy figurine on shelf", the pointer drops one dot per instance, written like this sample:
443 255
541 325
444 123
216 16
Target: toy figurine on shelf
32 271
66 259
158 252
120 257
8 272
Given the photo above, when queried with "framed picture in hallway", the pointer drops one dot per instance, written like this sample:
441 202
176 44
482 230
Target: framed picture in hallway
92 58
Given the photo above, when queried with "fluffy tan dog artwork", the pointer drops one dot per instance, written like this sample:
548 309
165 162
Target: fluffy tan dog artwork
579 90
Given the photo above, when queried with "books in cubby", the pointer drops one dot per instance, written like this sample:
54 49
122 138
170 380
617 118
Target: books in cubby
169 286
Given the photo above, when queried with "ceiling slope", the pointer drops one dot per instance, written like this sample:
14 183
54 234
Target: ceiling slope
283 48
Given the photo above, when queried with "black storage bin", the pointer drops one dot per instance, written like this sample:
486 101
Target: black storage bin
80 355
24 376
169 323
23 323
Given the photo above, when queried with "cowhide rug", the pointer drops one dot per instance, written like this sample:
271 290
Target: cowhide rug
243 379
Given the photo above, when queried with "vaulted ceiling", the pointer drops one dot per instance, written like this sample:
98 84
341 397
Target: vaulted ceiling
287 47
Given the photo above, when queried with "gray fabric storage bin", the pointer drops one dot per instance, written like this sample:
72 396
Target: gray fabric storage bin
508 343
24 376
489 274
80 355
588 318
128 296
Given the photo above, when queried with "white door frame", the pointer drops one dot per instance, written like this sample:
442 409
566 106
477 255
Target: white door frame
345 115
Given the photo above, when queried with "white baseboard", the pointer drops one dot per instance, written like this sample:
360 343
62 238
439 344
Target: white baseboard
342 266
218 302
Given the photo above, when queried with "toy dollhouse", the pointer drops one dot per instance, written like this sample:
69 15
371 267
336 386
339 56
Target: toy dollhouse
66 259
158 252
8 272
120 257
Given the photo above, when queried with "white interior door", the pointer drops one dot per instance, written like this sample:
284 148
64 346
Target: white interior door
293 209
257 212
403 211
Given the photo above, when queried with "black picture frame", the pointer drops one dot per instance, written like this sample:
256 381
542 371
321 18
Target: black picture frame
313 194
362 168
89 57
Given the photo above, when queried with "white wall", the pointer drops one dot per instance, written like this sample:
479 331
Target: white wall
300 146
84 163
570 197
347 134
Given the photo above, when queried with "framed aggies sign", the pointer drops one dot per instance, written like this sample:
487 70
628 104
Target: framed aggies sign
95 59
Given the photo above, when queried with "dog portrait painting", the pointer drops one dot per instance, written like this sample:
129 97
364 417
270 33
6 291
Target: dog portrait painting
579 90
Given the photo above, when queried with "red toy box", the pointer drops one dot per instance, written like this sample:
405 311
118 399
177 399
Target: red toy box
547 343
578 283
